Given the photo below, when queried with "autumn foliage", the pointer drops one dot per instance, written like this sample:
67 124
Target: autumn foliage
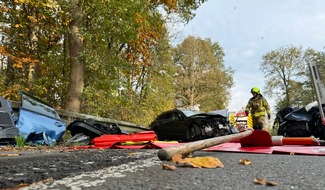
106 58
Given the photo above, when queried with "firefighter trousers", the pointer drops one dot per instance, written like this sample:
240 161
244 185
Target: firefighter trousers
258 122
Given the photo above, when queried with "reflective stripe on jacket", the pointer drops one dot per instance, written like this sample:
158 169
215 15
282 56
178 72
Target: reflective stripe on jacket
257 106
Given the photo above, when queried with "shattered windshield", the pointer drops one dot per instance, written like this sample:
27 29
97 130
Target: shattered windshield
189 113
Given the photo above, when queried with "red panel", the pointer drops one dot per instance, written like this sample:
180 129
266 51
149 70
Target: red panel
257 138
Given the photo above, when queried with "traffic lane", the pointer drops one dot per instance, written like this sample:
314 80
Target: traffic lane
98 179
26 167
288 171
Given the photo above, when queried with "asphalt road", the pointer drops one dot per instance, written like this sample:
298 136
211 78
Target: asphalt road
141 169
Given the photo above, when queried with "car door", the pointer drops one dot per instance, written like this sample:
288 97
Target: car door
160 123
174 127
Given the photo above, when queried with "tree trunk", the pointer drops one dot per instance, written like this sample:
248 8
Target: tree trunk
76 64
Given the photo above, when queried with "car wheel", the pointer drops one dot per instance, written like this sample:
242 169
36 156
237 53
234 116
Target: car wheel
193 133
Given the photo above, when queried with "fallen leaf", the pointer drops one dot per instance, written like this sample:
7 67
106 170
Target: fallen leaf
262 181
245 161
198 162
177 158
271 183
132 154
168 167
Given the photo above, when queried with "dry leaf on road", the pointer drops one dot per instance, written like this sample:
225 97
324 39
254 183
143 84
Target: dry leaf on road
198 162
245 161
262 181
168 167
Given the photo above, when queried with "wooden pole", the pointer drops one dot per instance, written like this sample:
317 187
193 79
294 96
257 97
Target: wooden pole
185 149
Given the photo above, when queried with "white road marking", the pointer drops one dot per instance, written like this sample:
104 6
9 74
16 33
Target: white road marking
96 178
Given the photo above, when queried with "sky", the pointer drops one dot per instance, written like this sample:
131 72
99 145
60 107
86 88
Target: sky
248 29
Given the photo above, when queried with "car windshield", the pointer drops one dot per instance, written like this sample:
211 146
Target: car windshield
189 113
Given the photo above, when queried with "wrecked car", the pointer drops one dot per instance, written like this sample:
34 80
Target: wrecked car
84 131
188 125
8 130
37 122
300 122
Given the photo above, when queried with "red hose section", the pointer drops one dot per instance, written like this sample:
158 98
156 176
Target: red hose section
297 141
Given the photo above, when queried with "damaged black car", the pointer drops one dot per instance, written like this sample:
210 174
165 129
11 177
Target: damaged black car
300 122
188 125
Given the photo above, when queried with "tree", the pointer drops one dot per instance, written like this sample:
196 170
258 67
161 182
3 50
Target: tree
77 66
284 70
121 56
201 78
96 57
31 41
137 43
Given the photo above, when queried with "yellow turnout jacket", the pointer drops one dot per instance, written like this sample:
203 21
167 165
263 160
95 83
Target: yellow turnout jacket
258 106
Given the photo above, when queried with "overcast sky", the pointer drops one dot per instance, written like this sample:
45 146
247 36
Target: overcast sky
248 29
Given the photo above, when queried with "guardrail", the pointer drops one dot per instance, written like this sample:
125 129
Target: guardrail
69 117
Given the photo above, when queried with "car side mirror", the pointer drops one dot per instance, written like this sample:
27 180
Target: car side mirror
181 118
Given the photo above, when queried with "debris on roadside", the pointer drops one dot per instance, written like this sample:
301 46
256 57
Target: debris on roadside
9 155
168 167
132 154
84 131
15 149
245 162
262 181
36 123
198 162
48 180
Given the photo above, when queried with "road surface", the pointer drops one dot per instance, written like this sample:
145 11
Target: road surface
141 169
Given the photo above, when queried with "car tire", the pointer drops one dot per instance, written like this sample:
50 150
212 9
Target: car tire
193 133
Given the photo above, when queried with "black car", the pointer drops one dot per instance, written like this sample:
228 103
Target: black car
189 125
300 122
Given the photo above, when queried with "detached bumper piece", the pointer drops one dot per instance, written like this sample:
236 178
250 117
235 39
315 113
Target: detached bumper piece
84 131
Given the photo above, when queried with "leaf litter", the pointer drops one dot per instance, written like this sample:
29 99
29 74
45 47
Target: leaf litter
198 162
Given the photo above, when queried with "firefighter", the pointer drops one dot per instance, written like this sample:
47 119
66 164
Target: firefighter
257 106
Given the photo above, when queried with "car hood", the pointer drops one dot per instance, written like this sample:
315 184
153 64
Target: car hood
214 114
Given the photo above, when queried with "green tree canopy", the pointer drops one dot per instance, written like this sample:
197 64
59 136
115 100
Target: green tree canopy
201 77
100 57
285 70
33 44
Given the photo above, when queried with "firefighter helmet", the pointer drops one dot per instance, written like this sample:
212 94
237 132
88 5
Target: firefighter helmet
256 90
